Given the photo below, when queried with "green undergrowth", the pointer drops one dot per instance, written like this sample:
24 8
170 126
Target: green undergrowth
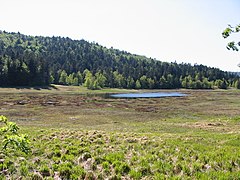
68 154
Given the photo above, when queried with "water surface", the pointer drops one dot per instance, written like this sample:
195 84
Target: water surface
148 95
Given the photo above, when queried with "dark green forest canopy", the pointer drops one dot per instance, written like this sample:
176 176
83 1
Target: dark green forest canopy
36 60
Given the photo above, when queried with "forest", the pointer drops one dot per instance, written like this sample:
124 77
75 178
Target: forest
35 61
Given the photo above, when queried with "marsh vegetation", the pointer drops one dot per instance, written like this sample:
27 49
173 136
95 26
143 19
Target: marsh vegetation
77 134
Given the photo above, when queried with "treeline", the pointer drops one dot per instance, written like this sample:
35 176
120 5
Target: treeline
29 60
100 80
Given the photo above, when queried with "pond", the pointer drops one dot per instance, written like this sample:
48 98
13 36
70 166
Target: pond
148 95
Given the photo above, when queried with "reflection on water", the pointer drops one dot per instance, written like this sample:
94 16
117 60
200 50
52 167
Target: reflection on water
148 95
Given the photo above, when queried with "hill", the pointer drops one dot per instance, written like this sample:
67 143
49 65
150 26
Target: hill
36 60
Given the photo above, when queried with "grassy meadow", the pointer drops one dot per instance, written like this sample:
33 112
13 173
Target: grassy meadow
76 133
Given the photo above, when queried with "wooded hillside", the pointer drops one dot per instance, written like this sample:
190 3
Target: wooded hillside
29 61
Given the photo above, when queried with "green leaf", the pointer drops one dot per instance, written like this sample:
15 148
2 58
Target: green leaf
227 32
12 138
3 119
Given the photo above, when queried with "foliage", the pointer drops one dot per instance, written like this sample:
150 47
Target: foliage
237 84
232 45
11 138
227 32
28 60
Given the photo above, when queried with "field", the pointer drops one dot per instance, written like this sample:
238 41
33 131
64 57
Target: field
76 133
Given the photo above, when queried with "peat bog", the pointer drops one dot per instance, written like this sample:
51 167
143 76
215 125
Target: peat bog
77 135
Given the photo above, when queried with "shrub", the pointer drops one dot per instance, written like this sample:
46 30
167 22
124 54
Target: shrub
11 138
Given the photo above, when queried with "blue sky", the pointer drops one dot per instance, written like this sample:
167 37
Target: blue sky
169 30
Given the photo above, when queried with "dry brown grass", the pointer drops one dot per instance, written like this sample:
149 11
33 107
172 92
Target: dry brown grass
65 107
